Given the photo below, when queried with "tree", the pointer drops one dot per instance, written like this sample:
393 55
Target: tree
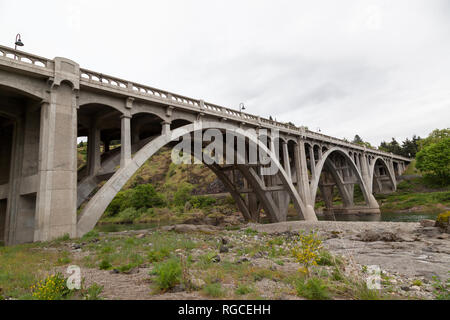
357 139
434 161
435 136
392 146
409 148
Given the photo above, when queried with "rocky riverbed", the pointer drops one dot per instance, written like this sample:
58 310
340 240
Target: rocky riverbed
409 256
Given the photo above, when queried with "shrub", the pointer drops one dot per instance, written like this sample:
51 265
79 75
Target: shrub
145 196
306 250
140 197
168 273
104 265
243 289
441 289
183 194
313 288
200 202
214 290
158 255
53 287
434 161
129 214
93 292
327 259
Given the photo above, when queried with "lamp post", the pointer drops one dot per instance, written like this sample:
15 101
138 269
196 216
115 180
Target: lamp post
241 107
18 42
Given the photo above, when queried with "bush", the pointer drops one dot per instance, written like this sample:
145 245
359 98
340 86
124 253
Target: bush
168 273
200 202
129 214
104 265
214 290
306 250
93 292
183 194
327 259
313 288
434 161
243 289
145 196
53 287
140 197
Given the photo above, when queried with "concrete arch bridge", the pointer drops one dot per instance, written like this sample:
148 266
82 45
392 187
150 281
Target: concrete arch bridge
45 105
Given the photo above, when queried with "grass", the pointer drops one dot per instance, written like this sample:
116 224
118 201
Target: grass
313 288
402 201
21 266
168 274
214 290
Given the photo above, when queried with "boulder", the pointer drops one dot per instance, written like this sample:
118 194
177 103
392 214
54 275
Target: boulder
443 222
427 223
378 235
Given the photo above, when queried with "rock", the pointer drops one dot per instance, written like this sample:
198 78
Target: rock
197 283
224 240
114 271
258 255
378 235
178 288
241 260
216 259
415 288
132 271
140 236
76 246
223 249
427 223
430 231
405 288
186 228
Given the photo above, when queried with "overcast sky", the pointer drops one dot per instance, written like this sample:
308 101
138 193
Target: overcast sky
379 69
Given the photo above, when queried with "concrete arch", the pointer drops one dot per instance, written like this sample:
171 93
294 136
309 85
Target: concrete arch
98 204
91 98
29 89
354 168
391 174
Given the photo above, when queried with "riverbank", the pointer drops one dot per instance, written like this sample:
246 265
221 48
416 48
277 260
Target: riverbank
252 261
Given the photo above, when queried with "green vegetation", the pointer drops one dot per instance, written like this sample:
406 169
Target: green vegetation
434 161
313 288
168 273
214 290
441 289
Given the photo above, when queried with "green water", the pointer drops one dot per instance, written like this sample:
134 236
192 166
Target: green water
384 216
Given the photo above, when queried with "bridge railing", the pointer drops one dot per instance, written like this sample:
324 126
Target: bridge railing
25 57
100 79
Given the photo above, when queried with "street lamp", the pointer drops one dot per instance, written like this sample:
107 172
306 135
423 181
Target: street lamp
241 107
18 42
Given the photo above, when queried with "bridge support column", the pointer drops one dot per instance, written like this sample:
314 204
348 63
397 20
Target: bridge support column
301 169
94 156
125 141
12 207
56 197
367 181
165 127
